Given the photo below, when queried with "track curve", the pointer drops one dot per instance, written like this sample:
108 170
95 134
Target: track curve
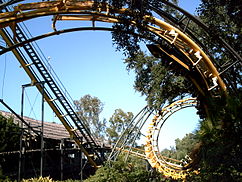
193 59
167 166
196 58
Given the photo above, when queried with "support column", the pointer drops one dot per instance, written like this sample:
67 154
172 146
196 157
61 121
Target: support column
42 131
81 173
21 138
61 159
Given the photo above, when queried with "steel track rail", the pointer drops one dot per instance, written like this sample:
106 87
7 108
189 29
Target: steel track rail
168 167
188 53
174 36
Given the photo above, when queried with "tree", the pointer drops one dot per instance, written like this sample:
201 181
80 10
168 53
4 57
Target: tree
183 147
220 145
156 80
119 122
171 153
215 148
9 134
129 41
89 109
120 171
220 151
223 19
9 139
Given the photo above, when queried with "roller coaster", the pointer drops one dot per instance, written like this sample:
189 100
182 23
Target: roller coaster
182 46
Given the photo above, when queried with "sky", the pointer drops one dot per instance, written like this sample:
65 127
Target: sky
86 63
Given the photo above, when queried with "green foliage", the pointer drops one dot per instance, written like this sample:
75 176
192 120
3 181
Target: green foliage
3 178
223 19
128 37
119 171
156 81
89 109
9 140
227 19
220 152
118 124
69 180
47 179
7 180
183 147
40 179
9 134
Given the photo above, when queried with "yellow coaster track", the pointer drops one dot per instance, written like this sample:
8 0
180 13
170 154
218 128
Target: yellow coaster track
168 167
196 60
85 11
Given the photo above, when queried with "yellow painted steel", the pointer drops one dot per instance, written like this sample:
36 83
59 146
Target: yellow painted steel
167 166
85 11
47 98
134 151
102 12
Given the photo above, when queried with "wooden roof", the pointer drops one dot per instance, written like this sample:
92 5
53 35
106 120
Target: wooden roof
51 130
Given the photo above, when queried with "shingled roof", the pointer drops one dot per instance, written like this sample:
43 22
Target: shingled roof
51 130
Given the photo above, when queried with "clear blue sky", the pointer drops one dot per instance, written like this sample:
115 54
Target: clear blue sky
86 63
